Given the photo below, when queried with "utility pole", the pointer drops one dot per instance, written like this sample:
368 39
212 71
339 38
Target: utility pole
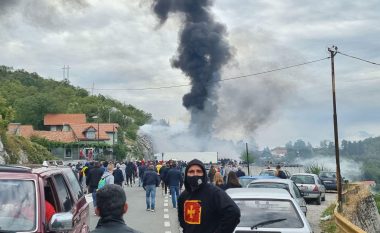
333 51
66 75
246 148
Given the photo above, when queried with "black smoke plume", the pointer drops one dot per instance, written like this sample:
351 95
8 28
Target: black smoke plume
201 54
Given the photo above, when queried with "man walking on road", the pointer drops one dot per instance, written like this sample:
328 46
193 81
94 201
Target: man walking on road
151 180
175 181
92 180
203 207
111 205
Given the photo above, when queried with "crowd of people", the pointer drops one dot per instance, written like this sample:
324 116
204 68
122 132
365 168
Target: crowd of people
198 193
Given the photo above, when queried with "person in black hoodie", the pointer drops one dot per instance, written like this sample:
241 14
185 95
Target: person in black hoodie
111 205
202 207
92 180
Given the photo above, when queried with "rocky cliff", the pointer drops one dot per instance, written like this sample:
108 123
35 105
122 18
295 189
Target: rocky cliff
3 153
367 216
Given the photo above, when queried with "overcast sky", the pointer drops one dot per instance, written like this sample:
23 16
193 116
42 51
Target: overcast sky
120 45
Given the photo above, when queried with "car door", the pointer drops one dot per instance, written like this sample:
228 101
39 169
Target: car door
81 207
321 187
66 201
298 197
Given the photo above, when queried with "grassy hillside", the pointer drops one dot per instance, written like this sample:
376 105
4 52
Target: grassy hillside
31 97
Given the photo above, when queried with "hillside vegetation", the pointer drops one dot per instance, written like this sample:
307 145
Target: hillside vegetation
26 97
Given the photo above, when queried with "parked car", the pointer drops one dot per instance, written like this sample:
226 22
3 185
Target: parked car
329 180
25 191
245 180
268 210
286 184
272 172
311 185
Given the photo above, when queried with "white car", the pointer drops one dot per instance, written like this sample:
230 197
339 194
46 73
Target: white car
311 185
268 210
286 184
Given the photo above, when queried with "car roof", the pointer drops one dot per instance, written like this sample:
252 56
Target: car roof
257 177
15 169
46 171
304 174
267 193
283 181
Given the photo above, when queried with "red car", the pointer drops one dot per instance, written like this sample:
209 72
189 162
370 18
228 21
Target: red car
42 199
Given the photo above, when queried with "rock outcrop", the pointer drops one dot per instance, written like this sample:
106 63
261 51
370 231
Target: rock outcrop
3 153
367 216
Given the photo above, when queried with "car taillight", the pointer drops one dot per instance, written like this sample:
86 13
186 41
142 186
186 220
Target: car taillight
315 189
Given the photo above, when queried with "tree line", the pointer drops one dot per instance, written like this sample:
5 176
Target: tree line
26 97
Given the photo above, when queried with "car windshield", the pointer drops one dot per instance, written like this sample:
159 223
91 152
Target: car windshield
327 175
254 211
17 205
269 185
267 173
303 179
245 181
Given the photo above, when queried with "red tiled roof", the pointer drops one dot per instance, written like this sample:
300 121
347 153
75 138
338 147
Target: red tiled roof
80 129
58 136
20 130
61 119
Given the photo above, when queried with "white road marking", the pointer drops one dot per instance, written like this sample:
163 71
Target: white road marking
167 224
168 232
166 210
166 204
166 200
166 215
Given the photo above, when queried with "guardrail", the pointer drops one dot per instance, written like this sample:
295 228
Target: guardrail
344 225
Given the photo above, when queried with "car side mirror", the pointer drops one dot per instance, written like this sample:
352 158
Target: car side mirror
61 222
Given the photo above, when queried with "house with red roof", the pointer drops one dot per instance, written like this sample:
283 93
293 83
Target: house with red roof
79 138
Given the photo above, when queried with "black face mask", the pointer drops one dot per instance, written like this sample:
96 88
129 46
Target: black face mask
195 182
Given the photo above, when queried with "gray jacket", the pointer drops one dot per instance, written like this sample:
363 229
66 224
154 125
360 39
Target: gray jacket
108 177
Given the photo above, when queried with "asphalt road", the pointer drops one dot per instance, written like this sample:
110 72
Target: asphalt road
163 220
314 211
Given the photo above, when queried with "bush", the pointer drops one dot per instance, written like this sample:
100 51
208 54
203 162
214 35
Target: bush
377 199
15 145
315 168
328 226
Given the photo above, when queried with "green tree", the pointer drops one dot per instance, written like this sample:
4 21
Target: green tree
247 159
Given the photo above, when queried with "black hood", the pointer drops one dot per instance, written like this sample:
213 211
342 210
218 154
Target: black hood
199 163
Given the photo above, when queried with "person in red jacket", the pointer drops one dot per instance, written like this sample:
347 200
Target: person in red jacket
49 211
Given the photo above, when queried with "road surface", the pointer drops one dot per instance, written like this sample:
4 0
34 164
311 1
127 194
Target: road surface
165 220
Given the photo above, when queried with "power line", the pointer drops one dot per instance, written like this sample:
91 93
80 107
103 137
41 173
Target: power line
361 59
222 80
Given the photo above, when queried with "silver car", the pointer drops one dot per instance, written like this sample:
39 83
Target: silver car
268 210
311 185
286 184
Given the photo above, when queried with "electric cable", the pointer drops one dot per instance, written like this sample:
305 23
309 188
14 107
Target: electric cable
221 80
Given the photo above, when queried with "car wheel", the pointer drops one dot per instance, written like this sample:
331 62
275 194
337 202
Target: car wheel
324 197
319 200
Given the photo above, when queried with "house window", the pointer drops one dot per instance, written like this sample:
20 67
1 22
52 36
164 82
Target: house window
68 153
90 134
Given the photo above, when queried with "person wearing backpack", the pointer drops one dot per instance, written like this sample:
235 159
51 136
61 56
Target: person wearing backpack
107 177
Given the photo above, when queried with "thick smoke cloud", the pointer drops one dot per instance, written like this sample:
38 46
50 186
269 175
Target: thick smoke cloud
202 52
